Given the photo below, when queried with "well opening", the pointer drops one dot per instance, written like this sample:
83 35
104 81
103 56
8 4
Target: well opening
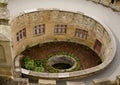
62 62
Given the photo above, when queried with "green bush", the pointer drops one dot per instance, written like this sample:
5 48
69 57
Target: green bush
37 63
29 65
26 59
34 65
39 69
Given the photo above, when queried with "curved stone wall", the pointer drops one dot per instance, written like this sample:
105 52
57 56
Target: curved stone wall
40 26
114 4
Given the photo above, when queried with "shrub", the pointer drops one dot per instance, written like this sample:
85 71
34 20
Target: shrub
37 63
26 58
39 69
34 65
29 64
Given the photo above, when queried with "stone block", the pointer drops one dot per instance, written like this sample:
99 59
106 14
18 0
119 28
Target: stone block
74 83
103 81
47 82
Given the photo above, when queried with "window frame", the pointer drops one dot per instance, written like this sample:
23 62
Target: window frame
60 29
80 33
39 30
21 34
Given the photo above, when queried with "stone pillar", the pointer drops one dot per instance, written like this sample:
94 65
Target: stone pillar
5 41
74 83
47 82
102 82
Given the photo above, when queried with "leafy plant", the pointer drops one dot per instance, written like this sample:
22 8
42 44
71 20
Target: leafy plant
29 64
37 63
26 59
39 69
34 65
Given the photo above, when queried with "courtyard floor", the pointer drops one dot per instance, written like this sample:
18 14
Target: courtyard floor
87 57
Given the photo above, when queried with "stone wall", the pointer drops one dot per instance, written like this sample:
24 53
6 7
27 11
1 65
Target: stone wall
96 32
114 4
